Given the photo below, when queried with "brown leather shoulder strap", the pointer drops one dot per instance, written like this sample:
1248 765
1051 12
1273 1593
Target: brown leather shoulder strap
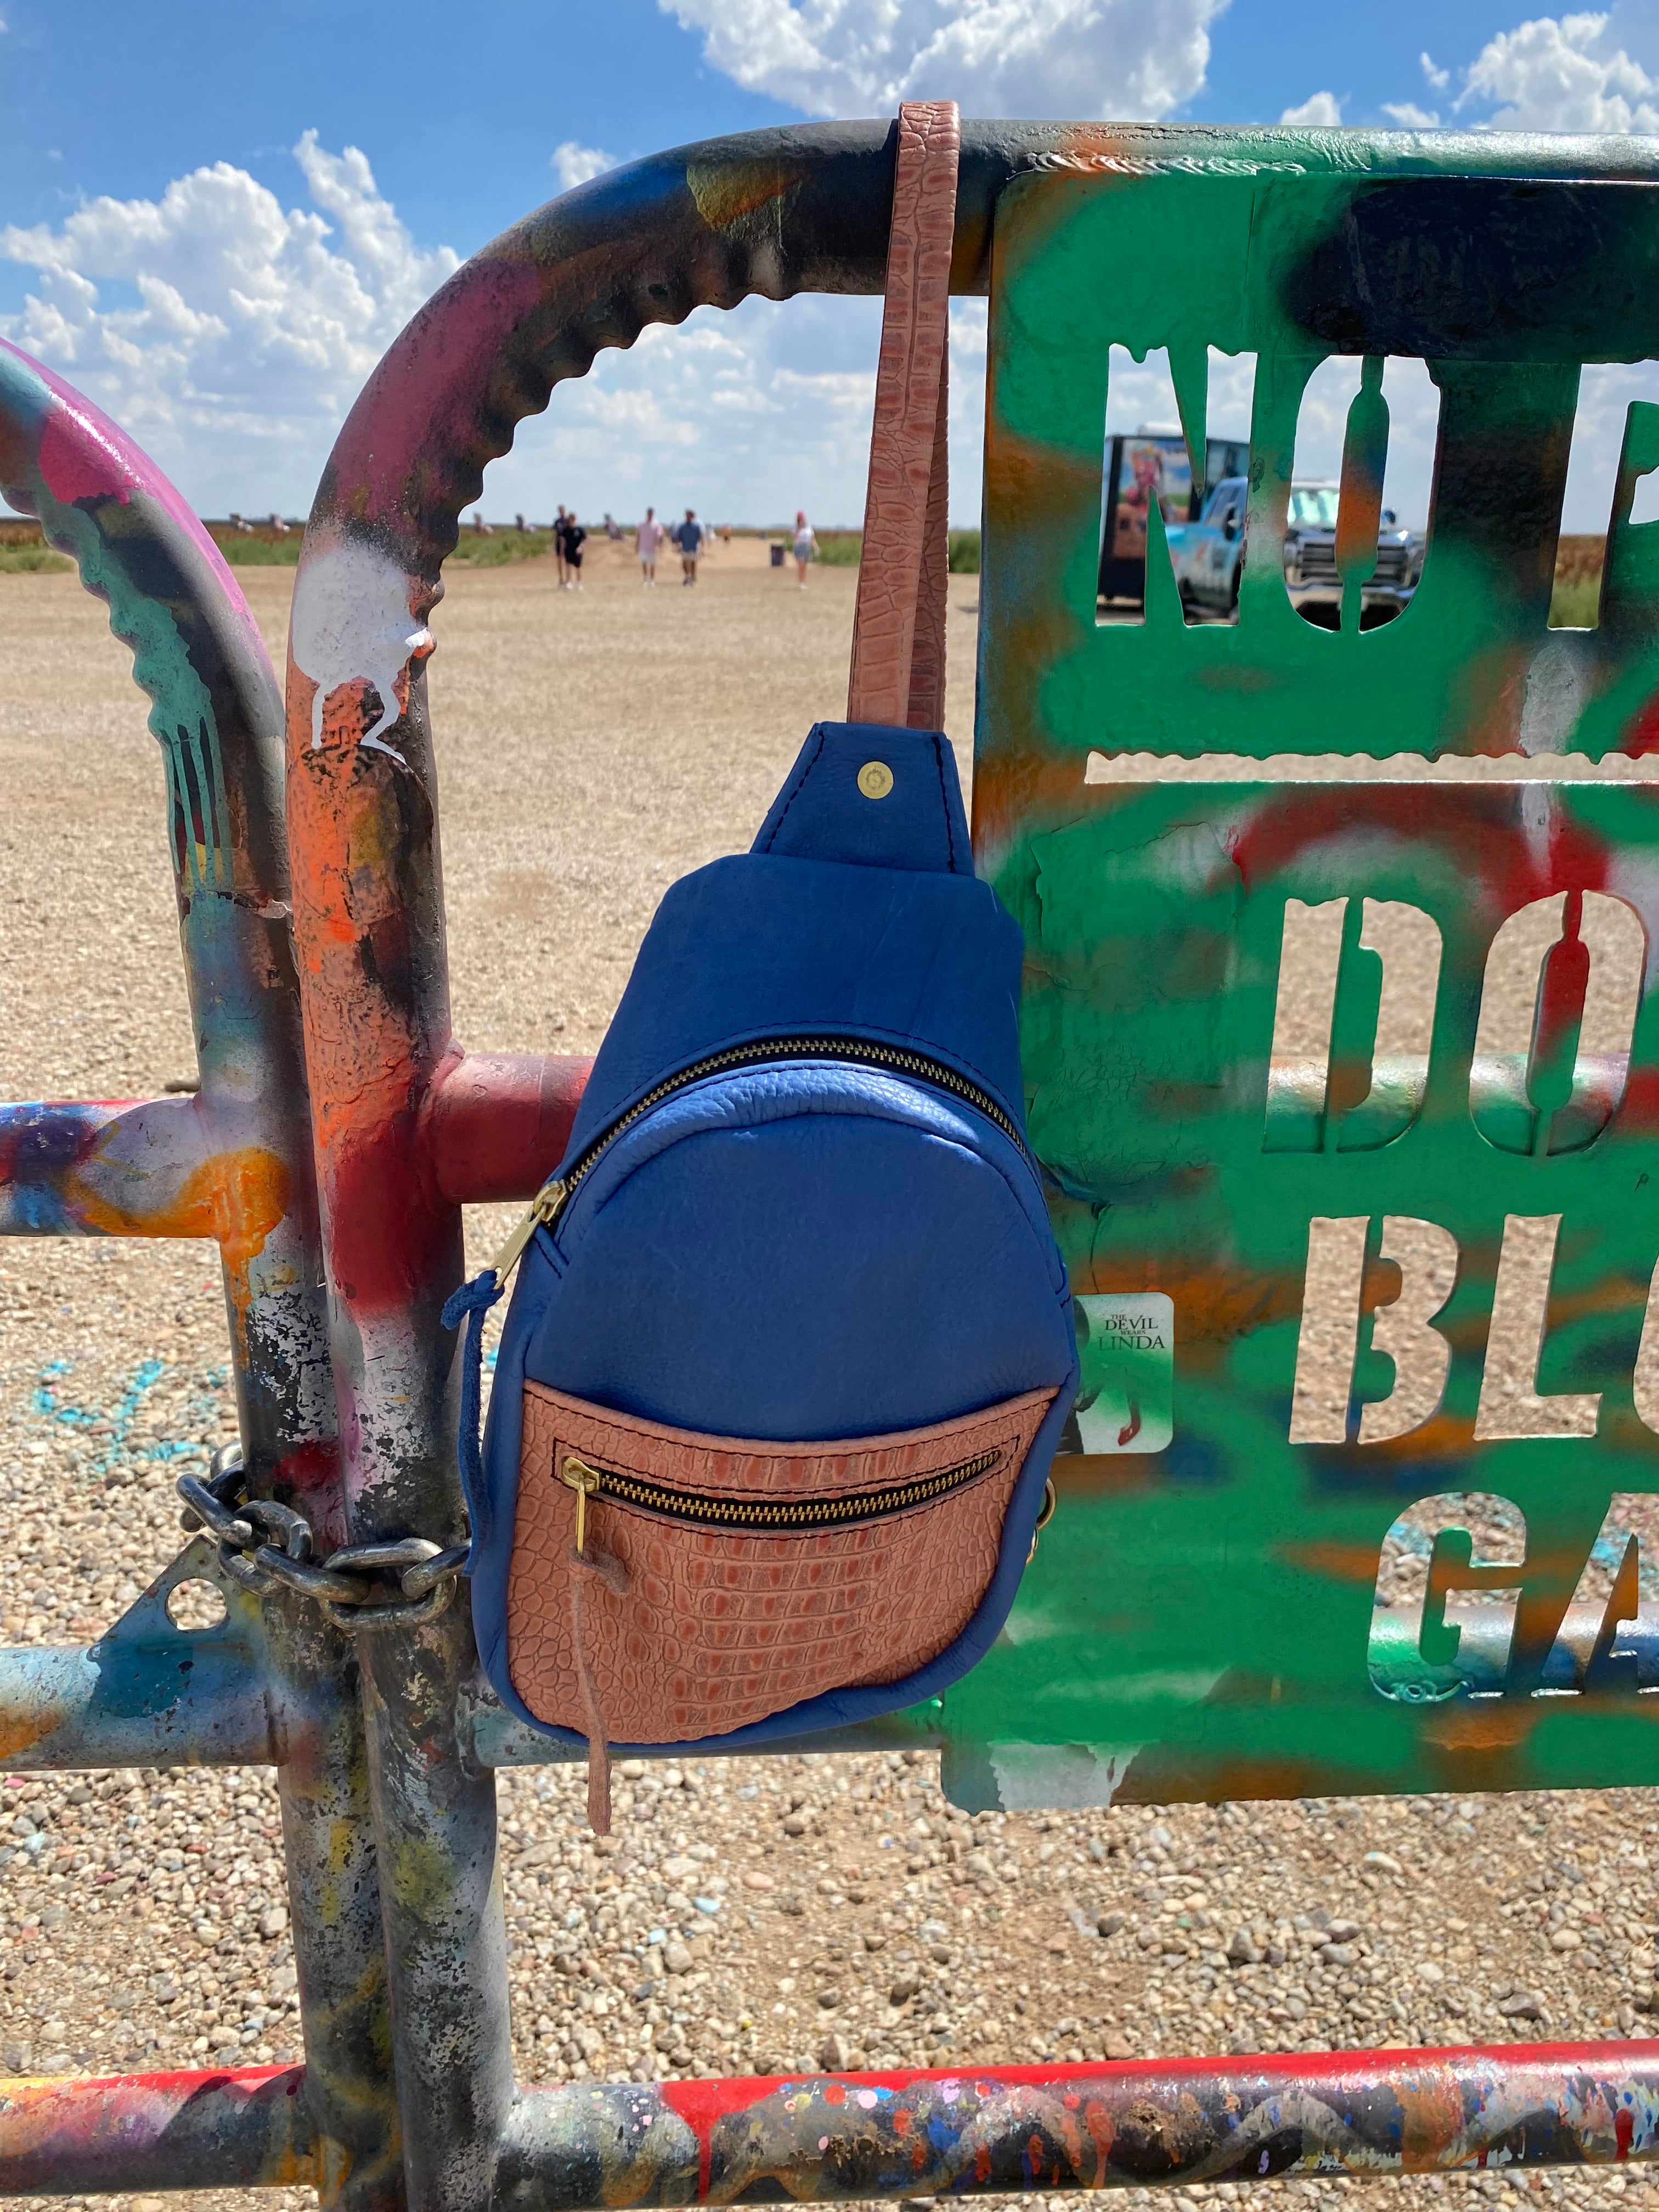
898 631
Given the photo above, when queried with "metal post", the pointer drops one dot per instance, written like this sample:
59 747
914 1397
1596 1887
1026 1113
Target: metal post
217 714
368 926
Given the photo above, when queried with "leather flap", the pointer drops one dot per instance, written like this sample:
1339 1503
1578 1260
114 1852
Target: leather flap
873 795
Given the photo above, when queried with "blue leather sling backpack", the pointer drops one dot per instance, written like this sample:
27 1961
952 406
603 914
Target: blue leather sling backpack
791 1344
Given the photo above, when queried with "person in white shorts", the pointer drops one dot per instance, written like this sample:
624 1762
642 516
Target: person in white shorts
805 546
646 543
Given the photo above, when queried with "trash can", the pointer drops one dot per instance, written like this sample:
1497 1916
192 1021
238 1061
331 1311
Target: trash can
777 557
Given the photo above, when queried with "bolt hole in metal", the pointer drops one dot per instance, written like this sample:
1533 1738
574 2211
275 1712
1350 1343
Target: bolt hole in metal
196 1604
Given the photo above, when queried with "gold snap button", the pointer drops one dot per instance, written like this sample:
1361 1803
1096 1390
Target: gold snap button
875 779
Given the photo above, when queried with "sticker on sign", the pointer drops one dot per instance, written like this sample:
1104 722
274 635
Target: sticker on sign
1126 1396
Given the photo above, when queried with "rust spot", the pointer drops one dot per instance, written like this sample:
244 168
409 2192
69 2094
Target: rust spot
1430 2117
1495 1725
1344 1563
18 1731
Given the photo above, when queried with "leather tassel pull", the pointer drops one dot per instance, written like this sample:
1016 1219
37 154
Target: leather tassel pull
594 1561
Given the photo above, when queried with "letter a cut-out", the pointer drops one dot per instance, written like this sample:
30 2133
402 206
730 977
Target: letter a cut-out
1589 1654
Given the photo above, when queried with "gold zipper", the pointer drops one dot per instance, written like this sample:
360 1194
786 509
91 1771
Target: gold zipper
762 1515
552 1199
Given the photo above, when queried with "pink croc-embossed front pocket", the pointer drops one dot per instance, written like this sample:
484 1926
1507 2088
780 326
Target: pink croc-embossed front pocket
721 1581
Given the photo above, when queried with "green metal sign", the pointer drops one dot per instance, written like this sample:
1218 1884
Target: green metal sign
1348 1090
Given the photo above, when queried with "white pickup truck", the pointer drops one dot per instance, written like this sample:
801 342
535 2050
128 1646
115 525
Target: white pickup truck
1208 556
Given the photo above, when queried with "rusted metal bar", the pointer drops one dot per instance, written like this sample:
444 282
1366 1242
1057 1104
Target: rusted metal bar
249 2128
1157 2123
498 1123
216 713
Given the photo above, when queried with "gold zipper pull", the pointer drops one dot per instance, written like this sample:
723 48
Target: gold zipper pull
544 1211
585 1481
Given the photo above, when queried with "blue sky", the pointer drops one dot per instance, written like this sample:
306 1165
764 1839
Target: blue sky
214 218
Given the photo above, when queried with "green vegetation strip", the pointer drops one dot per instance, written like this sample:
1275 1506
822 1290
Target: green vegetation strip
30 561
840 549
255 549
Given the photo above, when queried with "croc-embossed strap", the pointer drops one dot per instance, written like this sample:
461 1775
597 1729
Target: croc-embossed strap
898 631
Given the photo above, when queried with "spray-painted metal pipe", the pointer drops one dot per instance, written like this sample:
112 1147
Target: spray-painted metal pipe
249 2128
1150 2124
1153 2123
498 1123
216 713
115 1167
147 1694
496 1126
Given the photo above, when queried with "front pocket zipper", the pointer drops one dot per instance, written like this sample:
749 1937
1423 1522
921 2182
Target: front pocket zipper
554 1195
761 1516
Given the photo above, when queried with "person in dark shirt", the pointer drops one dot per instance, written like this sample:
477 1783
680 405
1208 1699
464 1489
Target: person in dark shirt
688 535
574 538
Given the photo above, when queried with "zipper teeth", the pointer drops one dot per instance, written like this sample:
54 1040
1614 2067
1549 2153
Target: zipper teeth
791 1048
754 1513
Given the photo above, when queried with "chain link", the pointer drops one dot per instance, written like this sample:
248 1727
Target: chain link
262 1544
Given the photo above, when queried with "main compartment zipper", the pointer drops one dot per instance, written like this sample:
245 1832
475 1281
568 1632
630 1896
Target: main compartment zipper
761 1515
555 1195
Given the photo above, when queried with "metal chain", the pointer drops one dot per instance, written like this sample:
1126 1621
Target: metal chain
350 1584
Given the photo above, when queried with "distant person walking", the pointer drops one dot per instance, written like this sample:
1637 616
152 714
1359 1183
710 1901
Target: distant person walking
574 538
807 546
688 535
558 544
648 544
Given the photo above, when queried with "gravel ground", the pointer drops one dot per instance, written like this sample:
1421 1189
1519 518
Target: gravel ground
749 1915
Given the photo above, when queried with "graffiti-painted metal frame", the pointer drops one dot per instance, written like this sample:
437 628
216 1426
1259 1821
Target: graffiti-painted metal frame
336 1208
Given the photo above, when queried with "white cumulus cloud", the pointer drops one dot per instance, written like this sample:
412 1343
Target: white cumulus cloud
1562 73
1321 111
1081 58
227 333
1409 116
576 164
230 334
1436 79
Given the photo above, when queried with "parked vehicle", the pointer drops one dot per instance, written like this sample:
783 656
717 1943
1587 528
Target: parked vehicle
1208 557
1153 463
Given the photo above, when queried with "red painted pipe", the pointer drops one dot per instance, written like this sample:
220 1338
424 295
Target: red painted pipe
240 2128
498 1122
